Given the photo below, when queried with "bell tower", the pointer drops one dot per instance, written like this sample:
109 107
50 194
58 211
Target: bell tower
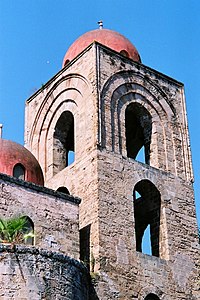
125 125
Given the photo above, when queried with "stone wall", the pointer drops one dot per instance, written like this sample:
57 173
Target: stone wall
97 87
31 273
169 280
129 274
54 215
123 82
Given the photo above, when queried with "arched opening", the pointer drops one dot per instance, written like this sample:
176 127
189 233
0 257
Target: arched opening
64 190
63 142
28 231
151 296
66 62
19 171
124 53
147 204
138 125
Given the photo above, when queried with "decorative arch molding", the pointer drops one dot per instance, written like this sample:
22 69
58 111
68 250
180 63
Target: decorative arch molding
128 87
46 136
66 94
129 77
74 84
46 127
117 114
124 85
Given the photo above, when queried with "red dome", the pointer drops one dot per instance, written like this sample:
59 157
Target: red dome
12 155
109 38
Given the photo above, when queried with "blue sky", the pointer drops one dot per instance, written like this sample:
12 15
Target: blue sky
35 34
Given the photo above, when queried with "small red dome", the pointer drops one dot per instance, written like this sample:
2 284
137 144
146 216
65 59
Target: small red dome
109 38
13 155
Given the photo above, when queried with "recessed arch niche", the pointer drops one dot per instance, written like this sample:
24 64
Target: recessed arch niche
63 141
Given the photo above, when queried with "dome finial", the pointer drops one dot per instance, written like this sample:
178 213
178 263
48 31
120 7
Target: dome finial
100 24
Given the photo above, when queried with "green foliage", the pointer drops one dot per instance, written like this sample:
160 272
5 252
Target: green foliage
13 230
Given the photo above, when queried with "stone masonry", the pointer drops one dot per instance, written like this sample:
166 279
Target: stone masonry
32 273
54 215
105 90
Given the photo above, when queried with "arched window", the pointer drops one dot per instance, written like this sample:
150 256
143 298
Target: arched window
29 231
151 296
19 171
64 190
138 126
124 53
66 62
147 213
63 142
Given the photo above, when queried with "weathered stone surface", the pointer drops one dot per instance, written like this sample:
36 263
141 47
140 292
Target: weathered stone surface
32 273
54 215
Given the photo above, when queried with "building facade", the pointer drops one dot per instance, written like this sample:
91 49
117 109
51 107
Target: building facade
125 125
